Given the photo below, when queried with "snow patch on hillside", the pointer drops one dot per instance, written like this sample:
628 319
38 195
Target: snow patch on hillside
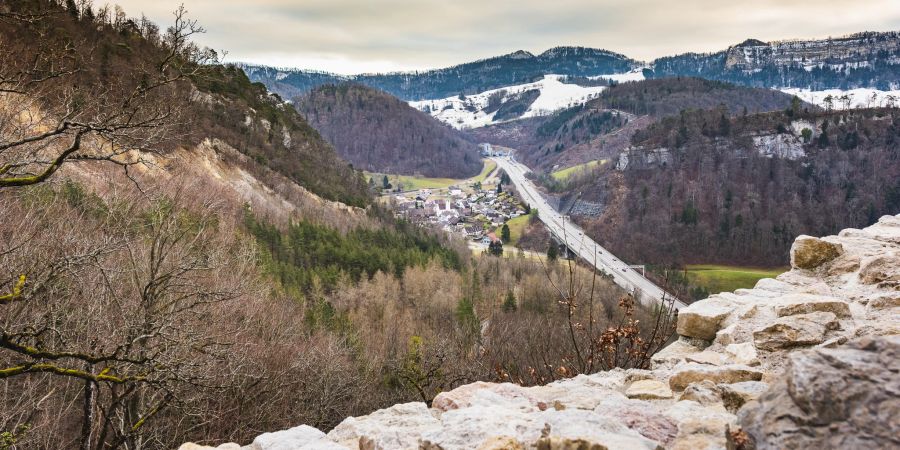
469 111
556 95
855 98
634 75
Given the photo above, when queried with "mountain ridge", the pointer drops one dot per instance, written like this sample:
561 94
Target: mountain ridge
380 133
827 57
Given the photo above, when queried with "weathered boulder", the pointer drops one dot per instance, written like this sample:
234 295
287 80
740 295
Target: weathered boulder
640 416
847 397
399 426
882 270
193 446
790 305
478 426
592 428
702 319
884 301
708 357
735 395
580 392
693 372
487 394
673 354
725 336
703 392
473 426
699 427
809 252
648 389
795 331
502 443
743 353
290 439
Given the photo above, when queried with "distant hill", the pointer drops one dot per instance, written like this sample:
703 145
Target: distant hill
862 60
106 62
702 187
603 126
469 78
378 132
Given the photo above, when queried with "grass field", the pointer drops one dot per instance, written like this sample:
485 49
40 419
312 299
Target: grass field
516 228
414 183
728 278
489 167
564 174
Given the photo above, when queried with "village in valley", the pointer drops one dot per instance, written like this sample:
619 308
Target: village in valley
476 209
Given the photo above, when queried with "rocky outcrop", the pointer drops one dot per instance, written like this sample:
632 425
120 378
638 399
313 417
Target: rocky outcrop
809 252
846 397
806 360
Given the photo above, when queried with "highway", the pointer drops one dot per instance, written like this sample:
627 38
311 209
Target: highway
648 293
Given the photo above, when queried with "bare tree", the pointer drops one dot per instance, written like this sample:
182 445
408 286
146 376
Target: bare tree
54 99
119 309
595 343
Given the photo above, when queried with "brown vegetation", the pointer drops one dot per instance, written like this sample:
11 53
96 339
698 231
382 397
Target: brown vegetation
380 133
719 200
146 310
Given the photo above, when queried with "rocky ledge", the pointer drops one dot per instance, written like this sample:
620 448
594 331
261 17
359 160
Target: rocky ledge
810 359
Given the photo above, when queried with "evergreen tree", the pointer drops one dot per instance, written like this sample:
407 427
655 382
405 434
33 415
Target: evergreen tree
465 315
496 248
724 125
552 252
72 8
795 106
509 303
504 233
385 182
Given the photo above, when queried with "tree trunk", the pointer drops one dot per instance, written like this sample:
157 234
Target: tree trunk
87 423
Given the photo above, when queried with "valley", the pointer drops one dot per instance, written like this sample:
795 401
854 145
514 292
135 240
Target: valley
557 247
574 238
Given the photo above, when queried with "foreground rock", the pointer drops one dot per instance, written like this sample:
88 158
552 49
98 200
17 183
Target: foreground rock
832 398
810 359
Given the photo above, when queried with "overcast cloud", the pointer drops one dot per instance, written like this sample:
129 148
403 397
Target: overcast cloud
352 36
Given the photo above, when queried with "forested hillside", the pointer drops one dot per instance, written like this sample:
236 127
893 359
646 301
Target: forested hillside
378 132
469 78
867 60
135 79
706 187
602 127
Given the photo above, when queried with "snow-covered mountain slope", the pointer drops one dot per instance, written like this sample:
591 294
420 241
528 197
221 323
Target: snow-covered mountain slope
852 98
540 98
634 75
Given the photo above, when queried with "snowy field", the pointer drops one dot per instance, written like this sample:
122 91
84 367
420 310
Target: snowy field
469 112
855 98
634 75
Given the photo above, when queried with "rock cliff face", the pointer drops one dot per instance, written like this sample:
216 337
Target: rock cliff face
857 50
807 360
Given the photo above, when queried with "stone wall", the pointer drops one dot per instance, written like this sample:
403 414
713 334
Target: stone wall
806 360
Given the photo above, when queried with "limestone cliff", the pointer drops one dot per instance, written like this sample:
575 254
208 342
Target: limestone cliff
807 360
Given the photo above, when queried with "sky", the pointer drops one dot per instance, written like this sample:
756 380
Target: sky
355 36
